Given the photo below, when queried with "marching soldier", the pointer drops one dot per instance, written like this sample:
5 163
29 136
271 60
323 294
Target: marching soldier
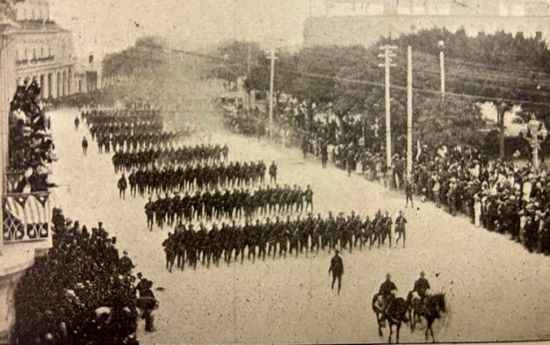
149 212
308 196
273 173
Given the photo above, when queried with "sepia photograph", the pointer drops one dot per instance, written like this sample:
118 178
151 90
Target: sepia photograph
274 172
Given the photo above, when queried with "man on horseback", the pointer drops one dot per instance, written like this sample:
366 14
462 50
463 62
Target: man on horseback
421 286
387 292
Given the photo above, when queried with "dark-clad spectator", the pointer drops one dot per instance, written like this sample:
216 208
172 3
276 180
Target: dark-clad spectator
337 269
84 145
122 185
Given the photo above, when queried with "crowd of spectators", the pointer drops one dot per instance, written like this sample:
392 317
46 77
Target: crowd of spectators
30 143
500 196
82 292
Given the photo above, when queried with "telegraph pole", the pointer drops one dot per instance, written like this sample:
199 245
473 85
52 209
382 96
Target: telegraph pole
442 67
409 114
248 58
387 56
271 79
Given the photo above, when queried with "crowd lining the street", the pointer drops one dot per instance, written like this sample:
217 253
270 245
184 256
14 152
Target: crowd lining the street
83 292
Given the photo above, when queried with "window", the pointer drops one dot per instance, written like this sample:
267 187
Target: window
26 53
33 53
49 51
41 52
32 16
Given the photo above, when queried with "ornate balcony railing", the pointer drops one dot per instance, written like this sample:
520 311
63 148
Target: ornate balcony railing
12 180
27 217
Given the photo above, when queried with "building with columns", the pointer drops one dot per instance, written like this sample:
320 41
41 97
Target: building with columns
363 22
43 50
32 46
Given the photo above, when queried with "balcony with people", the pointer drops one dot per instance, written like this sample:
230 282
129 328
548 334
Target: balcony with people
26 198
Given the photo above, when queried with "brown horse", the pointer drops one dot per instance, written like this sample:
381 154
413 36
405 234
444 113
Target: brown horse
395 313
430 310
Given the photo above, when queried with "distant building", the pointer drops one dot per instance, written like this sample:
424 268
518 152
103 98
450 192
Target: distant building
89 74
349 22
43 50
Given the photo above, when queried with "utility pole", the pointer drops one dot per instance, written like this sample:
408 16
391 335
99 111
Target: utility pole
387 56
409 113
442 67
248 58
271 80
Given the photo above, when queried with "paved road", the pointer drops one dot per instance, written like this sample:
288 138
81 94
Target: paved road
495 289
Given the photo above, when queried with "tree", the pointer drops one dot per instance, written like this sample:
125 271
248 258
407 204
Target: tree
501 68
449 122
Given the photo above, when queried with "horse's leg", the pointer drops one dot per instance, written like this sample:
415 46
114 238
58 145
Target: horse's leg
391 325
379 325
429 327
426 332
398 327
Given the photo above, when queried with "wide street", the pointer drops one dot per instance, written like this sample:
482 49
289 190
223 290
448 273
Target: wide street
495 289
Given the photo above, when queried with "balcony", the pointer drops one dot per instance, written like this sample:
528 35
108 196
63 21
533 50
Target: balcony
26 217
22 62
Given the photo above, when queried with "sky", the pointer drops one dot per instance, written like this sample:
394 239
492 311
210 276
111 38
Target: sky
112 24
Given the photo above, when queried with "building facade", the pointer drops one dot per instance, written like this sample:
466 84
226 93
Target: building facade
43 50
31 47
364 22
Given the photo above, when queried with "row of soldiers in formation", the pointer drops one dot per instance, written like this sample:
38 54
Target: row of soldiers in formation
208 205
169 155
118 128
132 142
108 116
197 176
268 238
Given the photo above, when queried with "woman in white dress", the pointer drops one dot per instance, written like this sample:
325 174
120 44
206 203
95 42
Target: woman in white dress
477 210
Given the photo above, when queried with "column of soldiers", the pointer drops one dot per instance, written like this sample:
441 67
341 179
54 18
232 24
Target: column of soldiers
195 176
105 116
147 157
135 125
208 205
130 129
270 238
133 141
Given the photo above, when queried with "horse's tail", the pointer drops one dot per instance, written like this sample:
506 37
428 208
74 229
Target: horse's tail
409 299
439 299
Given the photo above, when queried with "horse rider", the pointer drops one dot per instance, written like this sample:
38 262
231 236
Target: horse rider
387 291
421 286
